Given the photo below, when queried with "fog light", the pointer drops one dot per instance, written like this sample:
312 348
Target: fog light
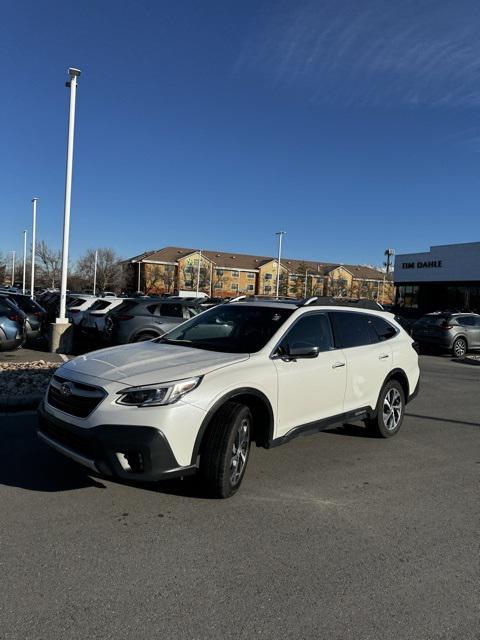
131 461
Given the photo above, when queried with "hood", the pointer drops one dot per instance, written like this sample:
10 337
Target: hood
149 362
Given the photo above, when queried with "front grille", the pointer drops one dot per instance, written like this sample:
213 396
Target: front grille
82 445
74 398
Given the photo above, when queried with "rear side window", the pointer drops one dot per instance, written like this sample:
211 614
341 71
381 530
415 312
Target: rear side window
352 329
382 328
99 305
25 304
4 309
311 330
125 307
466 321
171 310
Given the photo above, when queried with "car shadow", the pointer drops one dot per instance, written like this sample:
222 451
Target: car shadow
467 360
351 429
28 463
444 420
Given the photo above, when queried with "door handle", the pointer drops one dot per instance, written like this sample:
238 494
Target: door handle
336 365
383 356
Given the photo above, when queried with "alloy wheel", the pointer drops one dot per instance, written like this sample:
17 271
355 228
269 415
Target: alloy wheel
460 348
392 409
239 452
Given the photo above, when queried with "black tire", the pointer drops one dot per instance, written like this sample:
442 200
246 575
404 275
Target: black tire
230 426
378 425
143 337
460 348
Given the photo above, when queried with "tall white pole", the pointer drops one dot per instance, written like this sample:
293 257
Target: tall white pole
198 271
24 259
13 268
280 235
34 231
95 274
73 73
138 284
306 280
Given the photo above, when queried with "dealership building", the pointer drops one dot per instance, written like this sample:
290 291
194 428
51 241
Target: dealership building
445 278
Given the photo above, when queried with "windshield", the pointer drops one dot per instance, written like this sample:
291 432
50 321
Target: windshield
230 328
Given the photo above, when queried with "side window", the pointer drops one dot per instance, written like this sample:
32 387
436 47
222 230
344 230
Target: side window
382 328
311 330
466 321
171 310
352 329
151 308
477 321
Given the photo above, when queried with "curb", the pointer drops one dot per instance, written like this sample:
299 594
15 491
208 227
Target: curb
20 403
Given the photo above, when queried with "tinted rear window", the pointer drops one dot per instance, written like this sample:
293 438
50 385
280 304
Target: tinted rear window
25 304
383 329
125 307
432 320
171 310
99 304
352 329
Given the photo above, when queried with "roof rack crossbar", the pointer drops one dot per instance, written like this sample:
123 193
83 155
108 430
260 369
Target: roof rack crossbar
358 303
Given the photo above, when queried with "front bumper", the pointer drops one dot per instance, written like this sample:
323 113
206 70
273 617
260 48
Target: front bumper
123 451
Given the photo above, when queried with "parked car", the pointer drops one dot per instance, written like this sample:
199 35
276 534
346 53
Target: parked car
12 325
93 320
77 305
139 319
195 399
35 314
455 332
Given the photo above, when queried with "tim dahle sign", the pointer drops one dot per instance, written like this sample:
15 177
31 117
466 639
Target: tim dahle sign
430 264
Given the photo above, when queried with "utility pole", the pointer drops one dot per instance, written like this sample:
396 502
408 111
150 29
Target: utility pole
72 84
280 235
139 272
34 231
389 253
24 259
95 274
306 280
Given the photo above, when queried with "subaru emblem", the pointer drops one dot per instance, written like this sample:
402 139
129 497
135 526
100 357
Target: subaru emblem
66 389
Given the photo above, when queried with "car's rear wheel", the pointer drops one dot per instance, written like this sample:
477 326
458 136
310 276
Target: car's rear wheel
459 348
389 411
224 456
142 337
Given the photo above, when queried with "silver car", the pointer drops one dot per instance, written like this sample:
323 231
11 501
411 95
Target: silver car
12 325
455 332
136 320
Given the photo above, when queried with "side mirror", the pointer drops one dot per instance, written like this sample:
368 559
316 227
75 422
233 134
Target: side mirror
303 351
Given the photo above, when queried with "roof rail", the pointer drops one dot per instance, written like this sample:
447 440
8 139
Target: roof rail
308 301
359 303
235 299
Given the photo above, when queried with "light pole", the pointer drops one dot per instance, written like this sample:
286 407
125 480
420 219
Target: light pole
139 272
306 280
72 83
389 253
34 231
95 274
13 268
280 235
24 259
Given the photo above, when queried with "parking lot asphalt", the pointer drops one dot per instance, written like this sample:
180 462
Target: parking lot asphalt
335 536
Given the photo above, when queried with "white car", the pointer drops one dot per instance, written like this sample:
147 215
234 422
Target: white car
93 320
77 307
196 398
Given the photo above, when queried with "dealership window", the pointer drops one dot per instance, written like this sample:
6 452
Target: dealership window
234 287
407 296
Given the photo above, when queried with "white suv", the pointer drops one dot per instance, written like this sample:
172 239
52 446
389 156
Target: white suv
194 399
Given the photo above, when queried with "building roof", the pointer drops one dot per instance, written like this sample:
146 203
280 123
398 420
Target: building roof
230 260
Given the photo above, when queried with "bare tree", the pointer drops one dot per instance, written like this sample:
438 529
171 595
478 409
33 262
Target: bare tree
337 287
109 270
50 263
3 267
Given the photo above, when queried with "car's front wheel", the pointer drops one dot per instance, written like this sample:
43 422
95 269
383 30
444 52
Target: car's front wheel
224 456
390 411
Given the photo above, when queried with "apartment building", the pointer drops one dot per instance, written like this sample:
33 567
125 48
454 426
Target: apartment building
225 275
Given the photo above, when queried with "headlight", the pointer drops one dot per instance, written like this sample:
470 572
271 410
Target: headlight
153 395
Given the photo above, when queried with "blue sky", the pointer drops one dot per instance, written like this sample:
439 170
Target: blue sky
352 125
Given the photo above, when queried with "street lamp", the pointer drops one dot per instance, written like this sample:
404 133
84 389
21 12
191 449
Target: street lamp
95 274
72 83
34 231
13 268
389 253
24 259
280 235
198 270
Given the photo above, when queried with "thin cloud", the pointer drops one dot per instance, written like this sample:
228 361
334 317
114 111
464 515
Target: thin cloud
378 52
